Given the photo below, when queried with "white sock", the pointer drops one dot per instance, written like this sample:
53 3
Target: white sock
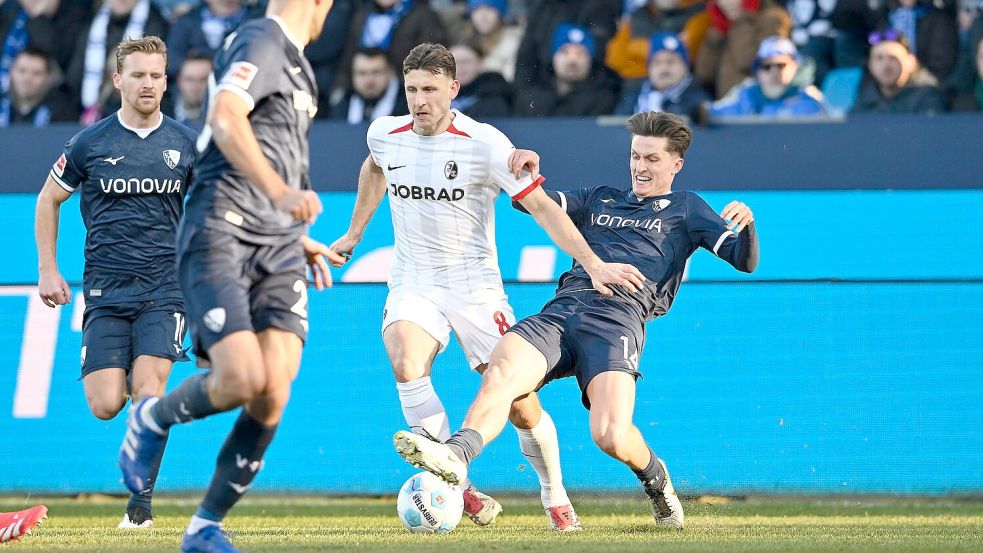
423 410
197 523
542 448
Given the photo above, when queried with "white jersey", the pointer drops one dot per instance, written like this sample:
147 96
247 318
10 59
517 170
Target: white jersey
442 192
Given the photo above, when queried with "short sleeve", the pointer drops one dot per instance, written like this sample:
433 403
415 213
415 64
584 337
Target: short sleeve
706 229
373 142
498 170
69 169
253 68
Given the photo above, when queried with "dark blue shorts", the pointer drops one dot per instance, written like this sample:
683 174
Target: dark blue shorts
116 334
584 334
230 285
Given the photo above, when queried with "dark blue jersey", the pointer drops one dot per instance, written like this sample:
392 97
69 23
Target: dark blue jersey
132 184
261 64
656 235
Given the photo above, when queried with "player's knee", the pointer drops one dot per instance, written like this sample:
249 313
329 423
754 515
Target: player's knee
613 440
525 412
268 407
105 408
406 369
239 386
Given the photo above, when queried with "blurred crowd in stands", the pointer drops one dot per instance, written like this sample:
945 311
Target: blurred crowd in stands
706 59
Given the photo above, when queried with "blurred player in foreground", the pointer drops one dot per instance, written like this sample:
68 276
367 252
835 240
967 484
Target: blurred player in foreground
242 251
599 338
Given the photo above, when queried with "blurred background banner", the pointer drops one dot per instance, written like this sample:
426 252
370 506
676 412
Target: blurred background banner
850 362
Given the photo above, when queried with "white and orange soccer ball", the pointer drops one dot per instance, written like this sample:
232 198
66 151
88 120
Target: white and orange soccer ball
428 505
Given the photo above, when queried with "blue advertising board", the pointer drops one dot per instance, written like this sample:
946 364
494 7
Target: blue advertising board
851 362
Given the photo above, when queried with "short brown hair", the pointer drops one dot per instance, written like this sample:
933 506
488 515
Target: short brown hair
147 45
661 124
431 57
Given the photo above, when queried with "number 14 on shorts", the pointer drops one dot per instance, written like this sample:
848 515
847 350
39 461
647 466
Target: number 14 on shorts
632 358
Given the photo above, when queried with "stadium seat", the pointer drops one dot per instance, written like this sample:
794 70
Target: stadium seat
840 88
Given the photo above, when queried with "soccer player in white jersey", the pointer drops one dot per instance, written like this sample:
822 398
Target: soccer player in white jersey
442 171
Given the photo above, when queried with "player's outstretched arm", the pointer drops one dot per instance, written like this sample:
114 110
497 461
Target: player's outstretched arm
51 286
233 134
561 229
371 190
741 220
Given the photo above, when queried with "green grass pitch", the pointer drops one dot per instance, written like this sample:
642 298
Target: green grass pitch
622 523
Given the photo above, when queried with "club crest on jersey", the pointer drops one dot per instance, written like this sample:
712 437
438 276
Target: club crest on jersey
659 205
171 158
450 170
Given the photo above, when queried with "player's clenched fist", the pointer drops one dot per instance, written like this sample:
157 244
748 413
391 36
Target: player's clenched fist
345 246
54 290
738 216
621 274
302 205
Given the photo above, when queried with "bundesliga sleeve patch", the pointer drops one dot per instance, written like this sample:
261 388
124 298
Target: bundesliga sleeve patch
241 74
59 166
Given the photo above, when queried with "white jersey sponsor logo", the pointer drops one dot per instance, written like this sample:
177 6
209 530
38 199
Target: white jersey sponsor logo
140 186
442 192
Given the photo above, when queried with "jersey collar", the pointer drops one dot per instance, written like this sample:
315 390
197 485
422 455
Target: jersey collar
286 31
142 133
631 197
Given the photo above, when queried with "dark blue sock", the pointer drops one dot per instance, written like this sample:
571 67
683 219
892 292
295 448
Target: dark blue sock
652 477
466 444
239 460
188 402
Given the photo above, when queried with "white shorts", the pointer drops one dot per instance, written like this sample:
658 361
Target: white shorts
479 320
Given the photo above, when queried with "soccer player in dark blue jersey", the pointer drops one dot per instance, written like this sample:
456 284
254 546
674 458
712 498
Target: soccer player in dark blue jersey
243 253
597 337
132 170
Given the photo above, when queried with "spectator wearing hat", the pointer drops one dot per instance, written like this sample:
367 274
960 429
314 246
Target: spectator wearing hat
737 28
670 86
535 56
895 82
628 52
497 42
771 92
577 87
483 93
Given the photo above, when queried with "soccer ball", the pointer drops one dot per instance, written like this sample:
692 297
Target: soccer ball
428 505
